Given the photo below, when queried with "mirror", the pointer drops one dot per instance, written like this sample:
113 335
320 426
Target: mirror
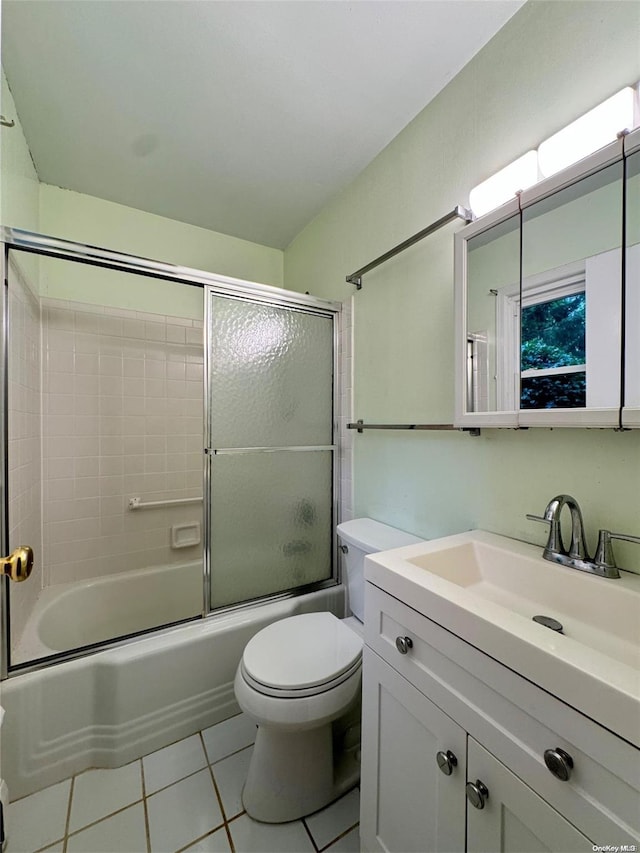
631 410
493 267
570 300
538 290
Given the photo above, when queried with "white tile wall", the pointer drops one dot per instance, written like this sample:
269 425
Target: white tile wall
122 402
24 395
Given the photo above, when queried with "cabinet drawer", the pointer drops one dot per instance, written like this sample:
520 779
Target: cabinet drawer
602 795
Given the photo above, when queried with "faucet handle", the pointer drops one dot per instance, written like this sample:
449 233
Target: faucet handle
604 557
554 544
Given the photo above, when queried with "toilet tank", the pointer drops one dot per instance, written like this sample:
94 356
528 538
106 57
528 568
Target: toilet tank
363 536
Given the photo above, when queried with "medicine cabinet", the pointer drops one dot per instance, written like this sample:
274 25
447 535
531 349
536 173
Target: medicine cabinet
541 285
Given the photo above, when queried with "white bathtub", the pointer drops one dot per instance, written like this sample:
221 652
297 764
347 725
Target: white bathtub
73 615
108 708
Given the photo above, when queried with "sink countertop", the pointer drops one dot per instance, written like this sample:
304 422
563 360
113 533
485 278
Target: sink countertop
486 588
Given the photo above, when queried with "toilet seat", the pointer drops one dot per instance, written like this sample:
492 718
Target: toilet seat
301 656
299 692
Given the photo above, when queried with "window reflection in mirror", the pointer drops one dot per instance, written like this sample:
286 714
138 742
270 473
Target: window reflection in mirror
493 264
553 353
571 295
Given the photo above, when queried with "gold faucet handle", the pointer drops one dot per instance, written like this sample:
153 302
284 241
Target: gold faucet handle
19 564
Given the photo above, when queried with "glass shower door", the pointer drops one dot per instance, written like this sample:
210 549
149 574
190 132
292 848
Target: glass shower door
105 433
271 452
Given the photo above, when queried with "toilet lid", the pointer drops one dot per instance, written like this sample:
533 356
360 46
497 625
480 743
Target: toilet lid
301 652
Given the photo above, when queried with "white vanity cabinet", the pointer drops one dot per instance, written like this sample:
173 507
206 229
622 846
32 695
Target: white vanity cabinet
411 805
444 696
514 818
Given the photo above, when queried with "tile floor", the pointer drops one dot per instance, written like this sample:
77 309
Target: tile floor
185 797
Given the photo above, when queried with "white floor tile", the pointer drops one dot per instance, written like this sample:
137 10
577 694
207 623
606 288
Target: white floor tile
182 813
349 843
39 819
333 820
249 836
172 763
230 775
217 842
121 833
229 736
98 793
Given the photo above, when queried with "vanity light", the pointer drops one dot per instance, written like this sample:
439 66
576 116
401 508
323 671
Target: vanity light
588 133
499 188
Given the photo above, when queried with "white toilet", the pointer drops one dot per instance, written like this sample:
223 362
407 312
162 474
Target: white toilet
298 679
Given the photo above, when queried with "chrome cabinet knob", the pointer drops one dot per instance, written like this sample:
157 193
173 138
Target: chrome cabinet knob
477 793
403 644
446 761
559 763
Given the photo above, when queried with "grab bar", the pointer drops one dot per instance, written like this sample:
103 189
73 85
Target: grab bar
137 503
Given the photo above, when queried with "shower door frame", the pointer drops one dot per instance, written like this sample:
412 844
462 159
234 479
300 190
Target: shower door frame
41 244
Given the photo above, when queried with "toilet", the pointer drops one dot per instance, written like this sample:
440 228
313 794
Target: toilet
299 680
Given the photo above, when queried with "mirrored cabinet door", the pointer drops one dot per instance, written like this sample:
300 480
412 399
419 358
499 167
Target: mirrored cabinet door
570 303
631 410
487 270
547 292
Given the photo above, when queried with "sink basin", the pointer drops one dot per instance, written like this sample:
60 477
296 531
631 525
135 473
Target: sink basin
519 584
487 588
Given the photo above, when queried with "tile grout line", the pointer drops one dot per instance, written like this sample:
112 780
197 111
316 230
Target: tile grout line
199 839
68 819
176 781
309 833
104 817
147 828
338 837
224 758
215 788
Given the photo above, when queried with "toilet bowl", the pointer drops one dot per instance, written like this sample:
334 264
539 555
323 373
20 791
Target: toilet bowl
299 680
296 677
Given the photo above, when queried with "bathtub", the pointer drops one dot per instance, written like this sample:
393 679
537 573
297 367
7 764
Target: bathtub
109 708
73 615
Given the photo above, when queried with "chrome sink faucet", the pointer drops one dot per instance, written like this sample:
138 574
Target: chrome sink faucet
602 564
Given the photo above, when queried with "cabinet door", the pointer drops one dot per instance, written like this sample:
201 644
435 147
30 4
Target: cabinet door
514 818
407 803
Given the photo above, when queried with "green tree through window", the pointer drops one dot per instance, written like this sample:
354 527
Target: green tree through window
552 337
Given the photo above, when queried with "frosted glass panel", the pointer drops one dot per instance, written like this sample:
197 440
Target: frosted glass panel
271 375
270 523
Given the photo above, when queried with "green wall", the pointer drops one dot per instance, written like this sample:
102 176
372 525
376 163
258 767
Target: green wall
552 62
18 178
91 220
33 206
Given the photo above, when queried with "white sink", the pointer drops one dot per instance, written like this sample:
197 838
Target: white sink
487 588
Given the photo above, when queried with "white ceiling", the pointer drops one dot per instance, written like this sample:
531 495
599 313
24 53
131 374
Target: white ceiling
240 116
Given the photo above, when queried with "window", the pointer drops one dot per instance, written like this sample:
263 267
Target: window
553 370
555 340
543 336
